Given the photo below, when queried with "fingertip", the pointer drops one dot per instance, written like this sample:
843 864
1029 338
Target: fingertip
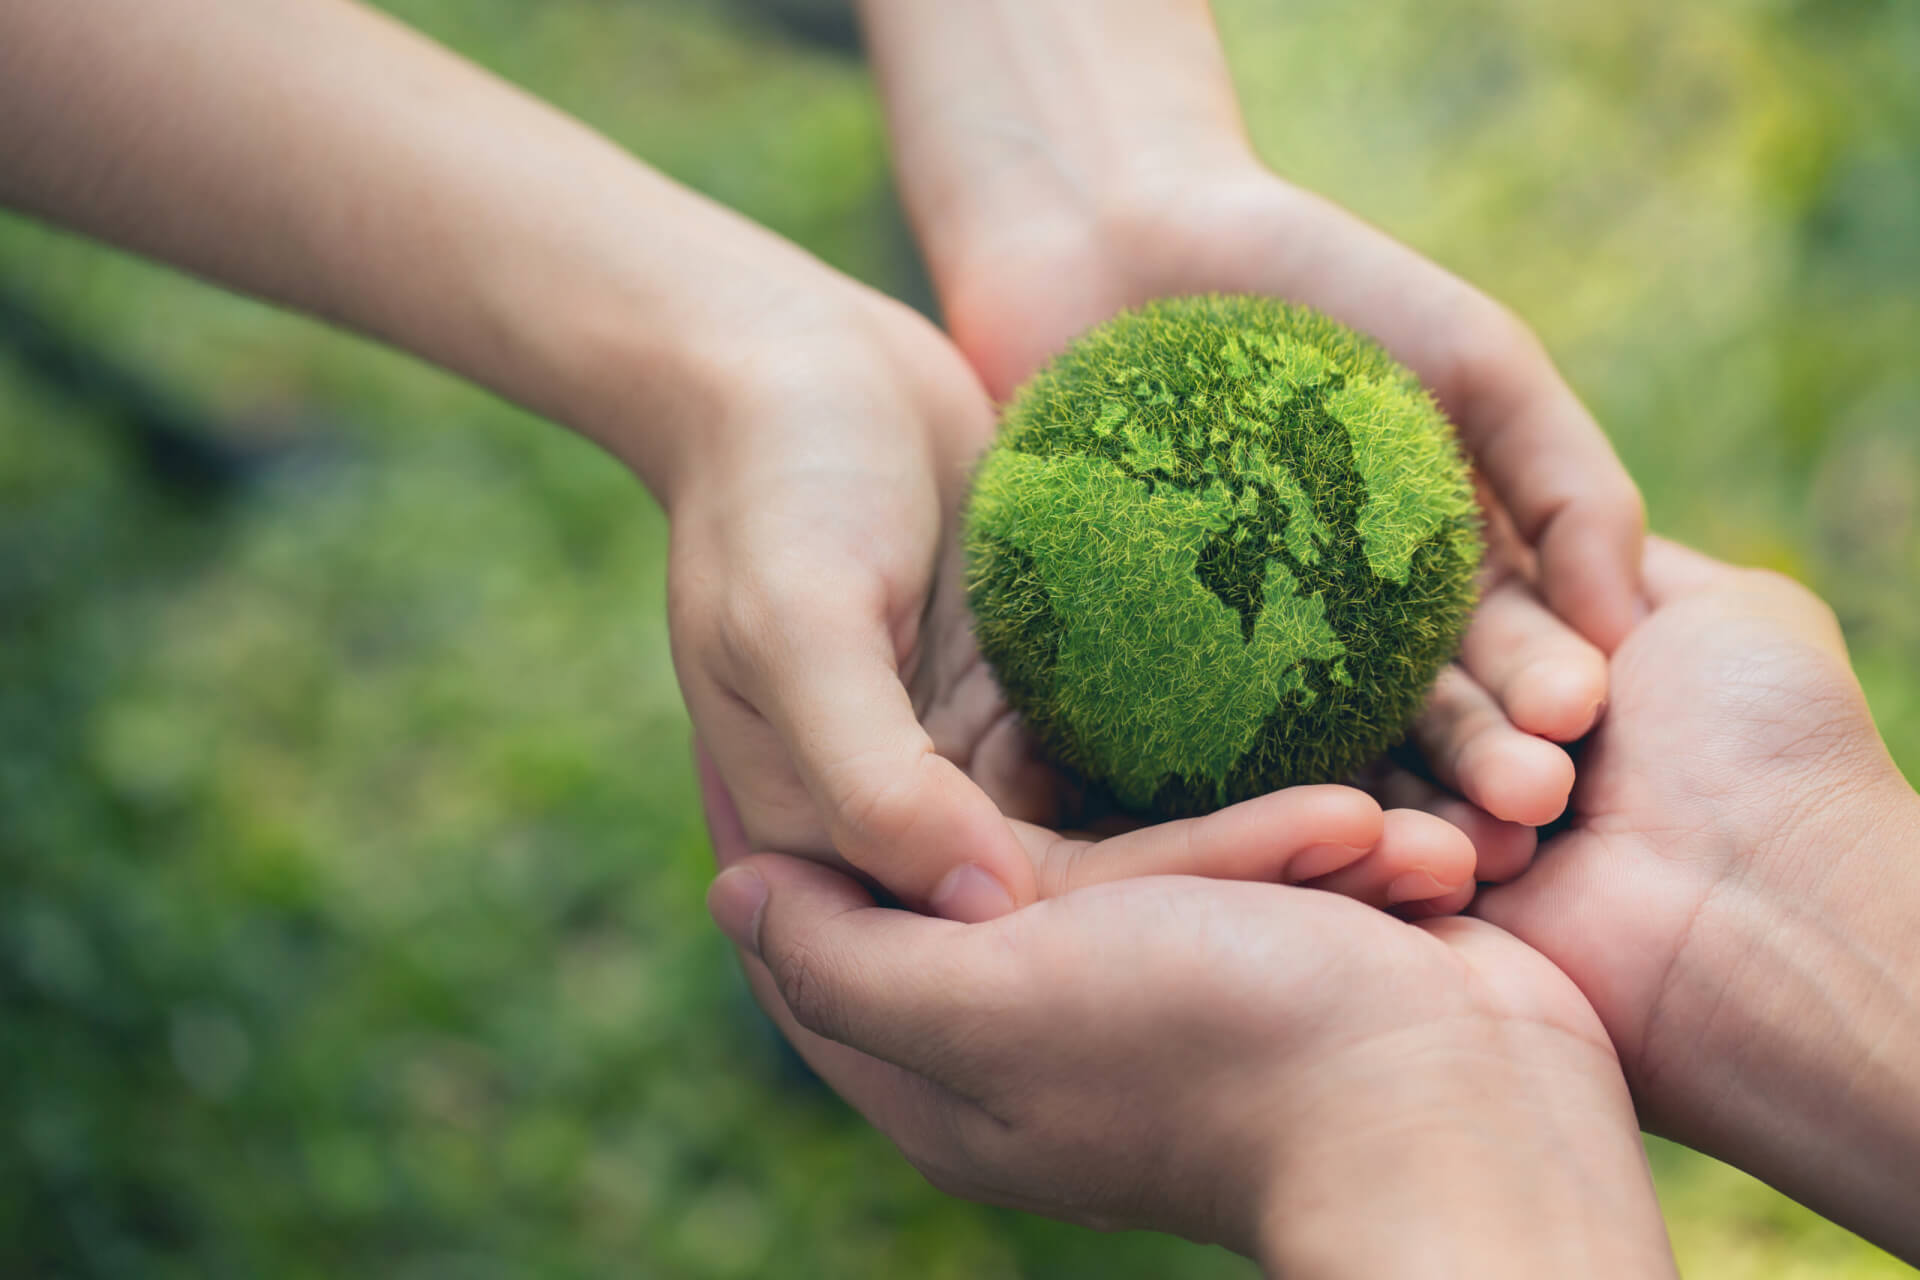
744 896
1329 814
736 899
1290 835
981 836
1501 849
936 840
1451 903
1420 843
970 894
1559 697
1517 777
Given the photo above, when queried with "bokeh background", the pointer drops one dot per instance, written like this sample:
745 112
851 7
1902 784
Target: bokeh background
351 919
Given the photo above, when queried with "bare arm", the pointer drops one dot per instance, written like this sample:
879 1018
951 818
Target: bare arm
806 434
319 154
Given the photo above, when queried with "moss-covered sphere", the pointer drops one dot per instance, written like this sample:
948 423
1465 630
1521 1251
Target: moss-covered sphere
1222 545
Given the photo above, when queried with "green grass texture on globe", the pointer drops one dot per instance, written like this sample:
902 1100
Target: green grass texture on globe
1222 545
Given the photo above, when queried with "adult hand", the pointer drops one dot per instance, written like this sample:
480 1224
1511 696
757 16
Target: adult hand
1276 1069
824 645
1736 895
1064 160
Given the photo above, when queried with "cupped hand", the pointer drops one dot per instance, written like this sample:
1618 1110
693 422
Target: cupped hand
823 643
1025 287
1177 1053
1561 591
1732 790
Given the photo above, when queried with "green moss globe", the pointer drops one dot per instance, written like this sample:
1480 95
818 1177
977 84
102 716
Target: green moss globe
1222 545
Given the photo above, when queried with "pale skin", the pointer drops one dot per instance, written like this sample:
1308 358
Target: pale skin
1285 1072
1737 896
809 438
1731 912
1063 159
810 441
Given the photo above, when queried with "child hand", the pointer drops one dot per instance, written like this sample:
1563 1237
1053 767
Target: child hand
1254 1065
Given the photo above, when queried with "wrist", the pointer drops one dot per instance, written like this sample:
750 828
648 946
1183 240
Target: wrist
1055 121
1784 1037
670 372
1511 1149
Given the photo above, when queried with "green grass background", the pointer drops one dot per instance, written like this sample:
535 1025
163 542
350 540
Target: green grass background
351 919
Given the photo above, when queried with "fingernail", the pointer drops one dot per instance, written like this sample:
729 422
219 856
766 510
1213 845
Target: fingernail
736 901
1310 864
1413 886
970 894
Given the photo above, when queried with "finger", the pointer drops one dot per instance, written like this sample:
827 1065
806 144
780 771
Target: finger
1501 850
1474 750
1508 554
1549 679
1419 859
1440 907
1768 598
921 993
724 828
1675 572
1539 448
1553 469
907 1107
1012 769
923 1118
894 807
1286 836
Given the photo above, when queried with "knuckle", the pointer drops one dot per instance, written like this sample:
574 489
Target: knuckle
874 799
802 976
755 616
1064 864
1620 506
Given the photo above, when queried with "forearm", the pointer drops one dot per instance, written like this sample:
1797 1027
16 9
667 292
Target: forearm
317 154
1007 111
1799 1064
1521 1160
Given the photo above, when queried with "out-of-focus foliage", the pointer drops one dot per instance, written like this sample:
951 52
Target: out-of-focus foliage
352 870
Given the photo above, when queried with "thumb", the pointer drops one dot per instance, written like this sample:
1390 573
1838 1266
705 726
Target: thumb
894 807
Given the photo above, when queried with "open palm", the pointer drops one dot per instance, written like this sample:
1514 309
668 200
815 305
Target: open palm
1709 793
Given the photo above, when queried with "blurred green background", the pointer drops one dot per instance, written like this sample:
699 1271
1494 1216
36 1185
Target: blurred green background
352 913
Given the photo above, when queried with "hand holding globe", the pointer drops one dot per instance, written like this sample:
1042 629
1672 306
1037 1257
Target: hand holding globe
1223 545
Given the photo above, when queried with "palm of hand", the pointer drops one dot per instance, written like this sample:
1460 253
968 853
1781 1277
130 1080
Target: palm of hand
1526 674
1209 1003
1009 1060
1733 713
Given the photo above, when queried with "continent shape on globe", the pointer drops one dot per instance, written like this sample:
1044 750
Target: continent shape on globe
1222 545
